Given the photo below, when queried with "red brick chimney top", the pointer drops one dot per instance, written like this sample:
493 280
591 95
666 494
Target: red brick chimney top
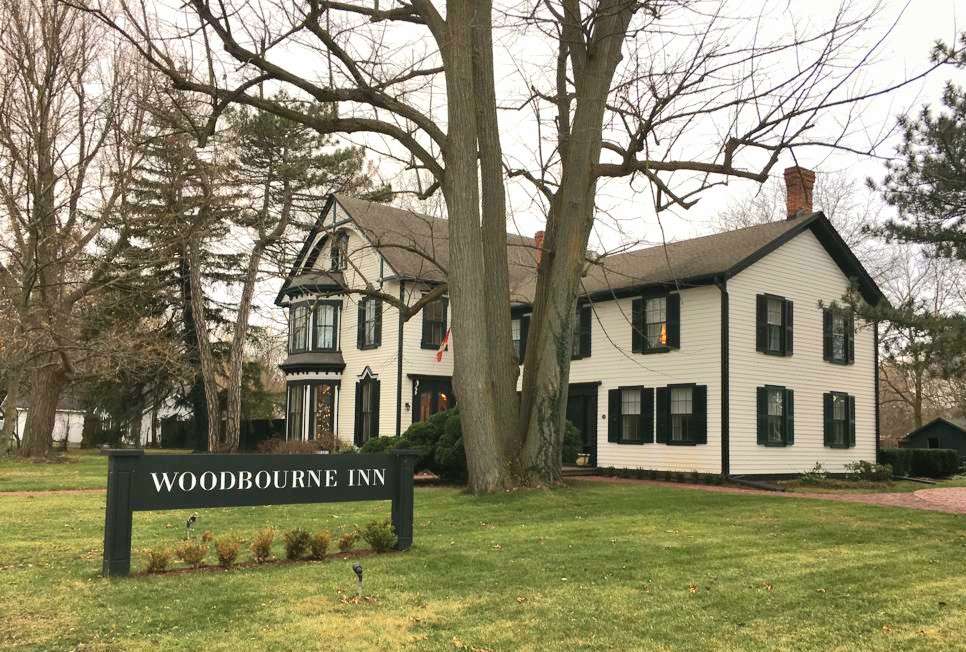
799 183
538 242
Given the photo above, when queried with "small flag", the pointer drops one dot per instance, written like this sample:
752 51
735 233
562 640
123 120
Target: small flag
443 346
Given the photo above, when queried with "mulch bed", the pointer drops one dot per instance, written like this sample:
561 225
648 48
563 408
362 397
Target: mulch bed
215 568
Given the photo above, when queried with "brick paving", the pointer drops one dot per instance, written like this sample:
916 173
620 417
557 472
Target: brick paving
951 500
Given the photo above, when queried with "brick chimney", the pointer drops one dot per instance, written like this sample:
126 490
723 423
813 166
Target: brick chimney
799 183
538 243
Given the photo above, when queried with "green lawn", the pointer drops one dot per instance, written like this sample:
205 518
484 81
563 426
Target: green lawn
590 566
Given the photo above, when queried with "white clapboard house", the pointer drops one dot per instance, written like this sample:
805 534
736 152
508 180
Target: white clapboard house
718 354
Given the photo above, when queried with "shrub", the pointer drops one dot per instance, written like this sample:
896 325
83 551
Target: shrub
227 550
296 543
159 559
816 475
379 444
380 535
572 443
347 541
192 552
262 545
319 544
288 446
207 536
927 462
863 470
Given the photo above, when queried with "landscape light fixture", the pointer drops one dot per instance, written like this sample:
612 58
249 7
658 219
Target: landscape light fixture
357 567
189 524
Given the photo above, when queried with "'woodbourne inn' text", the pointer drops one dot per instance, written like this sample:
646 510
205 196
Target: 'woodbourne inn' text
188 481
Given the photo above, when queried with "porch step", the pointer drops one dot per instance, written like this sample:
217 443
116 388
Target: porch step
576 471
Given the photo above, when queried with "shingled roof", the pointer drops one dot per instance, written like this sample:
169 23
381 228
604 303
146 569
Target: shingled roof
412 244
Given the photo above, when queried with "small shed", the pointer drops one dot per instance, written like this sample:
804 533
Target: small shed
939 433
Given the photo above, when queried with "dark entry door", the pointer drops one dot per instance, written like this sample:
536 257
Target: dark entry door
431 395
582 412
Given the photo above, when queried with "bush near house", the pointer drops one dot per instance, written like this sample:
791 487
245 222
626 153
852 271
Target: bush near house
380 535
868 471
297 543
925 462
439 441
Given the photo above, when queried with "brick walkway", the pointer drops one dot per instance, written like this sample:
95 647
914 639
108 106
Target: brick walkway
951 500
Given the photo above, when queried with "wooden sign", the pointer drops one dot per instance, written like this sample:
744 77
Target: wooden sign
137 482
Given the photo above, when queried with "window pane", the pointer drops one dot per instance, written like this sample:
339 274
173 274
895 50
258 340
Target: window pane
775 312
838 336
655 319
515 336
838 407
680 400
775 400
325 326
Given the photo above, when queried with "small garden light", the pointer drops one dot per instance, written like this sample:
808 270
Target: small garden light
357 567
187 526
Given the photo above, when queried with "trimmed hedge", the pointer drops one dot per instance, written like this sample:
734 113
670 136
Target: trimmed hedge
439 441
924 462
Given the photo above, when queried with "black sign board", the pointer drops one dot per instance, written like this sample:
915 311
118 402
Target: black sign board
136 482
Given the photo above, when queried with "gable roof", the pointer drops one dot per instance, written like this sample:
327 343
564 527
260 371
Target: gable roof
410 241
958 424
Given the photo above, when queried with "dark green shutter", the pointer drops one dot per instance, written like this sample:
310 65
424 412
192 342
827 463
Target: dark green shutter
762 412
789 405
357 436
585 320
614 415
647 414
662 408
425 342
850 339
851 405
788 326
374 396
524 334
378 339
826 334
674 321
698 428
361 325
827 413
637 325
761 323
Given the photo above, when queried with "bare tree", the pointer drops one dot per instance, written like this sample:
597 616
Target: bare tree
627 83
66 110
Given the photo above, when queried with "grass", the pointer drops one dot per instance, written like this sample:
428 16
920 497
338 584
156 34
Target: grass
853 486
590 566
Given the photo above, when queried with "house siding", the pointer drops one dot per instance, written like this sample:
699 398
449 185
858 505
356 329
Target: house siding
801 270
418 361
697 361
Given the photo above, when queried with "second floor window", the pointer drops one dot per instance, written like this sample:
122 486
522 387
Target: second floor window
580 347
369 335
838 336
326 327
298 328
515 336
656 323
774 325
340 251
434 323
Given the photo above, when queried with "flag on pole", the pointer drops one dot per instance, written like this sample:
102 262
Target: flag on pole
443 346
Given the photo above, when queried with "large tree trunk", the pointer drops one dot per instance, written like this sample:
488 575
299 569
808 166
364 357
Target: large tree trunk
547 370
236 360
205 355
488 466
196 393
47 383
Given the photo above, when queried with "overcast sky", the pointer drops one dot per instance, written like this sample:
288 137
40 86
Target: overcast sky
522 59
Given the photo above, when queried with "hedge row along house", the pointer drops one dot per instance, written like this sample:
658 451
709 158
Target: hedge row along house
719 354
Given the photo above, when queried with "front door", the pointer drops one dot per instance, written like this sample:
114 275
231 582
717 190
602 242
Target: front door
431 395
322 425
582 412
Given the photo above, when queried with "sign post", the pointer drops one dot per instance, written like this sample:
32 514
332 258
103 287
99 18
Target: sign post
139 482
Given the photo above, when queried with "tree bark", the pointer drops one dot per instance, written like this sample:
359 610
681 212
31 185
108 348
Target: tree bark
47 384
547 366
196 393
487 465
205 356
